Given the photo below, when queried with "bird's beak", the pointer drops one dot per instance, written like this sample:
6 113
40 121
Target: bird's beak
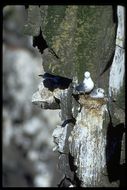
40 75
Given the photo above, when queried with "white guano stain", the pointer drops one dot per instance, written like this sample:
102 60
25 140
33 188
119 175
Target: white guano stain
88 145
59 135
121 26
117 70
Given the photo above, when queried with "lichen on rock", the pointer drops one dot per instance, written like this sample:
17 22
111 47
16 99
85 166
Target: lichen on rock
44 98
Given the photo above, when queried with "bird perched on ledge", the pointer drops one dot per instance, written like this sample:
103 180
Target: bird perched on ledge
52 82
97 93
87 85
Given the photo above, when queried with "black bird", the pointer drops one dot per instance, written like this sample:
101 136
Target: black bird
54 81
72 120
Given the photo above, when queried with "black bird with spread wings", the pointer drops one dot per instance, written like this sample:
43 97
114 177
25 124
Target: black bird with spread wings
52 82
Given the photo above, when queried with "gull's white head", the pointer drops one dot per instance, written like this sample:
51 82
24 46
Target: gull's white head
87 74
100 90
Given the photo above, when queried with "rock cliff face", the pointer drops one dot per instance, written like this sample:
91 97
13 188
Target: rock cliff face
77 35
88 140
28 159
77 39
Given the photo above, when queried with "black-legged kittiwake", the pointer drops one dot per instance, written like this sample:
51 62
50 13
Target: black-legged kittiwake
87 85
97 93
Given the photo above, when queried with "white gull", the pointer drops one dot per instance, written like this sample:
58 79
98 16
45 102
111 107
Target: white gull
97 93
87 85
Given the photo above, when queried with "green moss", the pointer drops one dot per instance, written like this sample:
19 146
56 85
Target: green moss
86 44
92 29
81 36
55 15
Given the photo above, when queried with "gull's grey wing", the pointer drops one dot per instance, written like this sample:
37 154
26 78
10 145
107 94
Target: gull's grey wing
80 88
